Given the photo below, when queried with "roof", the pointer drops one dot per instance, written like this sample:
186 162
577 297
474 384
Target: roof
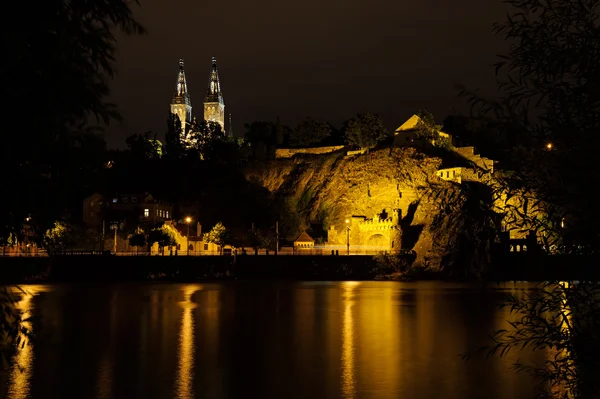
410 124
304 237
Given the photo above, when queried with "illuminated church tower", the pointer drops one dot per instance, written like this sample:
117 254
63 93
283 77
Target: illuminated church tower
182 105
214 107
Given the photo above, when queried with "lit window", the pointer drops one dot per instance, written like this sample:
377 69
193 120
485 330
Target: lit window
146 212
157 214
167 214
115 200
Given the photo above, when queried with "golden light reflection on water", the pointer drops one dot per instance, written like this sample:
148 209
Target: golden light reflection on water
348 372
22 368
104 382
185 369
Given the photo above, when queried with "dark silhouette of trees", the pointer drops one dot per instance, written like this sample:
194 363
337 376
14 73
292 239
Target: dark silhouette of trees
174 147
57 79
365 131
144 146
548 113
549 108
204 135
309 133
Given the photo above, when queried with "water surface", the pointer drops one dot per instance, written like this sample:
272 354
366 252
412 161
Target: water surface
264 340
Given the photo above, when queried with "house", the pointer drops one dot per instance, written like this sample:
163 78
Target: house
408 133
304 241
195 241
138 207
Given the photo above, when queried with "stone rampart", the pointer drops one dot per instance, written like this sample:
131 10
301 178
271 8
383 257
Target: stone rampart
290 152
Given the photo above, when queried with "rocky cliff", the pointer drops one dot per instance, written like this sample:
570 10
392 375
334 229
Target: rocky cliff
327 189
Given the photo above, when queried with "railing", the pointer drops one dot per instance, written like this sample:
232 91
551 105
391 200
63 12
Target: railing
16 254
238 252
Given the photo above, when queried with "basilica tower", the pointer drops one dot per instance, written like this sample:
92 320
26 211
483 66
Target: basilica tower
181 104
214 107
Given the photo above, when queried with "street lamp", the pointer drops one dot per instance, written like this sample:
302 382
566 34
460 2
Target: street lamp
348 236
549 146
188 220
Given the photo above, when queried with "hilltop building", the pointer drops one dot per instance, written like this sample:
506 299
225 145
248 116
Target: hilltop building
182 104
214 105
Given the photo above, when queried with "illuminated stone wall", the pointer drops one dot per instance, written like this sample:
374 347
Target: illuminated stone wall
379 232
290 152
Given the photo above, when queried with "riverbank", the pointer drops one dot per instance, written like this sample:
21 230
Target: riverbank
97 268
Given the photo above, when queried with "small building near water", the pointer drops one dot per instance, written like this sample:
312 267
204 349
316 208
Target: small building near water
304 241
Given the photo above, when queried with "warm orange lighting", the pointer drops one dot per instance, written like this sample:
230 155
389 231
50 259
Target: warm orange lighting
185 370
549 146
22 369
188 219
347 221
348 360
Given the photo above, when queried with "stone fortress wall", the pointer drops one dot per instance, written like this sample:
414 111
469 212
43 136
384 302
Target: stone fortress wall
290 152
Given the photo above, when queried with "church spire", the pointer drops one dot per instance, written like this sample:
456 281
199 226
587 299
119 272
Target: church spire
181 95
181 104
214 106
214 93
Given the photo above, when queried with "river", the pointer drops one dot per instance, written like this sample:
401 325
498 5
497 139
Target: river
265 340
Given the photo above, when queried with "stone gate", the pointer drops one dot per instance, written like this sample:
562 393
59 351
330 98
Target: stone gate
382 232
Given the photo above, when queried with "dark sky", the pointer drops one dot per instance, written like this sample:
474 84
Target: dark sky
327 59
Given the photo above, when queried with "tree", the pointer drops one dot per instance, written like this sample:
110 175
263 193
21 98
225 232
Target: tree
218 235
279 133
561 319
173 137
63 61
549 86
259 240
204 136
429 130
549 106
137 239
58 237
162 236
365 131
262 136
144 146
309 133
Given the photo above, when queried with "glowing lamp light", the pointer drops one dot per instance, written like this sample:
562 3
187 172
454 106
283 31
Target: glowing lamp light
549 146
347 221
188 219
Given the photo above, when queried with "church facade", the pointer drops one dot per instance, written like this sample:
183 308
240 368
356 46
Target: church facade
214 105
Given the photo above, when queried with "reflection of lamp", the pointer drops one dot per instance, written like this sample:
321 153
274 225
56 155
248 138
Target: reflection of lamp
348 236
188 220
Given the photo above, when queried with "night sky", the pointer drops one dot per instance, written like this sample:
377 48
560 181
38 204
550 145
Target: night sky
320 58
